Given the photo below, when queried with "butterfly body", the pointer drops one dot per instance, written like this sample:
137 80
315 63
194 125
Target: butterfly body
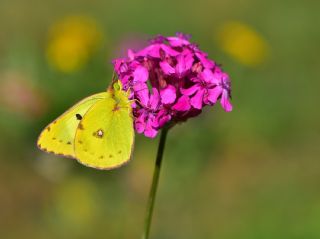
97 131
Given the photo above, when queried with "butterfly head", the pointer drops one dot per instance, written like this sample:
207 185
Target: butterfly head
120 96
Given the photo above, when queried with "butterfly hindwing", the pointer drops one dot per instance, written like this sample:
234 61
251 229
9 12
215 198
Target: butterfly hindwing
58 136
105 135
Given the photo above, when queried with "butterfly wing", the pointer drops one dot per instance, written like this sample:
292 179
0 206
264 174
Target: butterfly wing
106 135
58 136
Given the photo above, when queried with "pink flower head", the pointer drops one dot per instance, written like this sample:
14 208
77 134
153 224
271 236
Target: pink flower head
171 80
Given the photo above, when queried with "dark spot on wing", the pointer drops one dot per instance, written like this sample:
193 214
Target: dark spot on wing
60 141
85 150
39 145
119 152
54 138
48 128
110 155
80 126
80 142
79 117
45 149
101 157
69 142
54 122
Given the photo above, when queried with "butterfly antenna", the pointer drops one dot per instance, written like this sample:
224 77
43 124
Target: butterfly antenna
114 76
113 80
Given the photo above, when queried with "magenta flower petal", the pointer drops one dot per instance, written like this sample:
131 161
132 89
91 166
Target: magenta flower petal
154 99
179 40
189 61
213 94
139 127
168 94
142 93
149 130
120 66
152 50
190 91
166 68
181 66
218 77
205 62
116 64
125 79
197 99
133 104
169 50
140 123
130 54
226 105
210 77
162 118
139 86
140 74
176 41
183 104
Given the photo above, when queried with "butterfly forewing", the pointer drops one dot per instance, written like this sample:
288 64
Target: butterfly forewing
58 136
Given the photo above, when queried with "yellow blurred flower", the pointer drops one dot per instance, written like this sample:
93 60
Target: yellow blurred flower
243 43
72 41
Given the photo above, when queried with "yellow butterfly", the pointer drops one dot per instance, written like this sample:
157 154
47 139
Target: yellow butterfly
97 131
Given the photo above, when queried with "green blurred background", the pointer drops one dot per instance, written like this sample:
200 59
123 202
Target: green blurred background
251 173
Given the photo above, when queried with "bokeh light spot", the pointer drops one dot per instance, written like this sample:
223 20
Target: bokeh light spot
243 43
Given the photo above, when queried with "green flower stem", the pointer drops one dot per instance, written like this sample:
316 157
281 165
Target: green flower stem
154 186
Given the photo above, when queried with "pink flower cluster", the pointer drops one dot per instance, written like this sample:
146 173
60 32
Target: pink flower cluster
171 80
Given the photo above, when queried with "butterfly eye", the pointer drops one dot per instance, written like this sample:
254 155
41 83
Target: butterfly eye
79 117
